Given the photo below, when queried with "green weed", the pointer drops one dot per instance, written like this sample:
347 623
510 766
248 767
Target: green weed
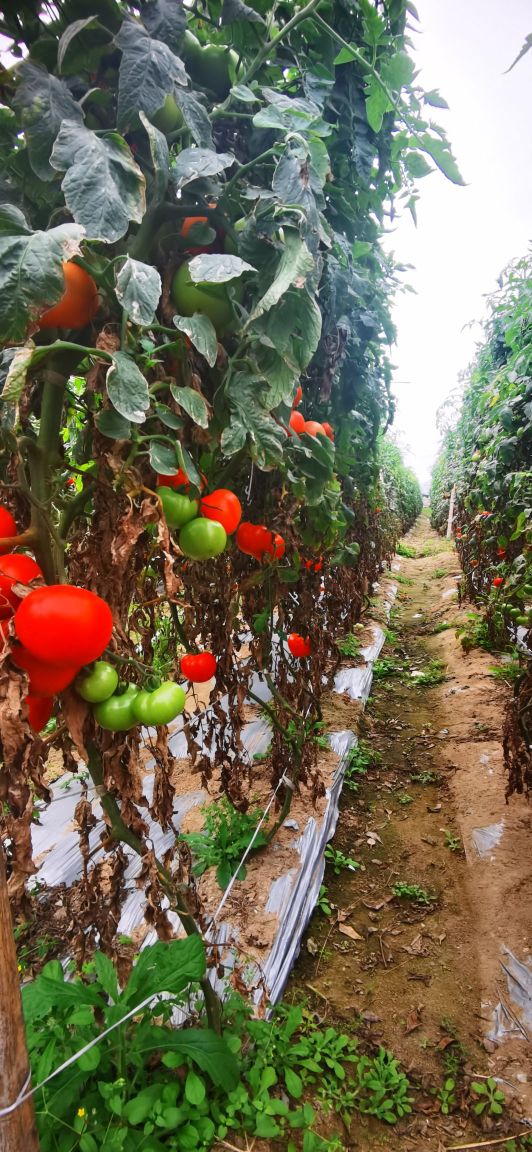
453 843
387 667
339 861
424 778
442 626
323 901
349 646
433 673
447 1096
438 573
412 892
402 579
405 799
509 672
490 1098
406 550
224 839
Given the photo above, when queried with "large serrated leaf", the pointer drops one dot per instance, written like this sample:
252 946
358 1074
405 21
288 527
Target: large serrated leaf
441 154
31 276
201 333
159 153
234 10
138 290
127 388
148 71
198 163
193 404
104 188
217 269
42 102
251 422
165 967
377 104
165 20
203 1047
195 116
294 266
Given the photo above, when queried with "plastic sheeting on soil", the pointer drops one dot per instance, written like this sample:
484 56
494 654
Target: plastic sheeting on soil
512 1017
292 896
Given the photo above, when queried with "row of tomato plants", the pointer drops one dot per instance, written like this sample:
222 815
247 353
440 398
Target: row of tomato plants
486 457
195 320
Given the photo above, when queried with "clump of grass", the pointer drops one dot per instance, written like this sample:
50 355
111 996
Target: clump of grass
433 673
438 573
406 550
389 666
412 892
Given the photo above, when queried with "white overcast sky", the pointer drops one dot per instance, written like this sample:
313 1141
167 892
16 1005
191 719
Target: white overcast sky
465 236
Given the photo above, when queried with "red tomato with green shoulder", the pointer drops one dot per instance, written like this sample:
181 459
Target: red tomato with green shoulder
161 706
202 539
198 667
116 714
99 683
299 646
15 568
224 507
78 303
178 509
44 679
40 710
64 624
8 527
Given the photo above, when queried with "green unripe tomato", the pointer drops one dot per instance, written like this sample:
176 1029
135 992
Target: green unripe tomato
161 706
116 713
525 621
191 50
218 67
169 118
178 509
202 539
98 684
211 300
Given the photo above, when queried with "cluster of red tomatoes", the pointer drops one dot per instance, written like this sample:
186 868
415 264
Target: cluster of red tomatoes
58 627
298 424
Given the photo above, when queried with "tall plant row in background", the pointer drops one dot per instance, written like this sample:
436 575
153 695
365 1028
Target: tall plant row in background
487 454
195 322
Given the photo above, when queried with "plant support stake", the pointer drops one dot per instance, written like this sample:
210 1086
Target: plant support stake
17 1126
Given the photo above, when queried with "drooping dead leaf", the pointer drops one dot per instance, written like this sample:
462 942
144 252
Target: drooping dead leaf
346 930
413 1020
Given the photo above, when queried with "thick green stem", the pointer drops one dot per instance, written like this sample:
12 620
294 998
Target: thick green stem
43 458
121 833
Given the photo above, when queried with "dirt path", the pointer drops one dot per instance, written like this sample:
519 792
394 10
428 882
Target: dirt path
423 977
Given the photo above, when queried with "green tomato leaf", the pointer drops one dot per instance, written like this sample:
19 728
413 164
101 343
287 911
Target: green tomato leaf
17 373
441 153
127 388
31 273
110 423
42 102
138 290
81 46
196 118
160 154
104 188
251 421
193 403
201 333
398 71
165 20
207 269
148 72
199 163
234 10
295 265
163 458
434 99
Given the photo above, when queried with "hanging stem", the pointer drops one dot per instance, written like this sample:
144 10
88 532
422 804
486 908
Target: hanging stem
175 893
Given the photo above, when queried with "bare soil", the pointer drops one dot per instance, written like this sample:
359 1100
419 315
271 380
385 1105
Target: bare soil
424 980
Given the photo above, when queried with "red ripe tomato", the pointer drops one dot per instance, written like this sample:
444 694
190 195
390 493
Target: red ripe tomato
40 709
78 303
4 629
247 537
297 422
497 581
178 479
256 540
277 547
298 397
299 646
474 563
328 430
198 667
501 552
223 506
312 428
8 527
62 624
45 679
15 569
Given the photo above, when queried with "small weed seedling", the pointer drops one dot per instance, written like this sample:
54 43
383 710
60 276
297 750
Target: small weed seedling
361 757
323 901
406 550
490 1098
411 892
474 633
339 861
442 626
390 636
447 1096
387 667
401 578
438 573
424 778
226 835
433 673
405 799
453 843
349 646
509 672
383 1087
